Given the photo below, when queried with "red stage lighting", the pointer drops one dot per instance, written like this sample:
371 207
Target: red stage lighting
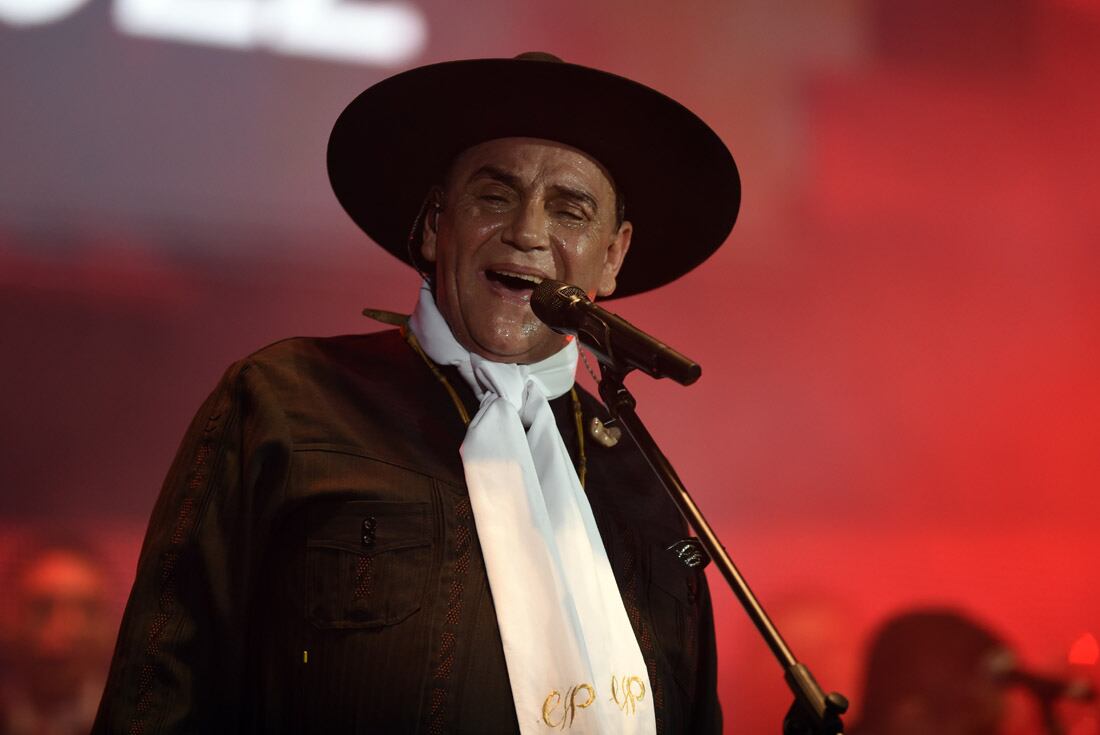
1084 651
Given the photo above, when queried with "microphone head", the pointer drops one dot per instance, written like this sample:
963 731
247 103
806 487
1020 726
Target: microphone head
1005 668
550 301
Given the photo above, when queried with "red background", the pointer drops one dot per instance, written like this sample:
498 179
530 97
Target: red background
900 401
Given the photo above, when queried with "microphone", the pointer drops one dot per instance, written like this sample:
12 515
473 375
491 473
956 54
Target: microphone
614 340
1048 688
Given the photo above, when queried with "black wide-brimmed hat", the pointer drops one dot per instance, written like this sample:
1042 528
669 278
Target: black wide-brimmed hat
676 177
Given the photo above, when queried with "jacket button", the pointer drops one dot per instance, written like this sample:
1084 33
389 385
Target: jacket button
369 525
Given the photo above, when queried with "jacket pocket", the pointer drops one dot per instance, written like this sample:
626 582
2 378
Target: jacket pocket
367 562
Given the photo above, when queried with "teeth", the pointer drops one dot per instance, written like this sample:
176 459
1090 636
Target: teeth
521 276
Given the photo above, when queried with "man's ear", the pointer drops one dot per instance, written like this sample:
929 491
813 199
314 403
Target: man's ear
613 259
429 228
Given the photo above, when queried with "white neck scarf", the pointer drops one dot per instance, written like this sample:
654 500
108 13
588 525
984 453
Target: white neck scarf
573 660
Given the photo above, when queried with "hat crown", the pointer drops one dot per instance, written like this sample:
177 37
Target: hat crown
538 56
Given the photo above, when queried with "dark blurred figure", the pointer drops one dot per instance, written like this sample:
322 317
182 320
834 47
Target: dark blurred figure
932 671
56 640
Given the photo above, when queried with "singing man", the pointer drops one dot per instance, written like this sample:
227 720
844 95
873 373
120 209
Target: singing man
431 529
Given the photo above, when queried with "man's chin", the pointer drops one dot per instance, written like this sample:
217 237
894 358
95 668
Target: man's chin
519 350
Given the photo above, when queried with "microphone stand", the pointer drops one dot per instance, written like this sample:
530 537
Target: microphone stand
812 712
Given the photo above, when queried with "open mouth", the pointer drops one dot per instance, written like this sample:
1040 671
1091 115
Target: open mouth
518 282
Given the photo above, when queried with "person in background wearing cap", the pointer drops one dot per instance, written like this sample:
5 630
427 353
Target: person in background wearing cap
426 529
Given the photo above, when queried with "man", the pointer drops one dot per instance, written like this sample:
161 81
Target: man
424 530
56 642
934 670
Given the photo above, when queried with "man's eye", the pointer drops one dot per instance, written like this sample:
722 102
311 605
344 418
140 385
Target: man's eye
494 196
571 215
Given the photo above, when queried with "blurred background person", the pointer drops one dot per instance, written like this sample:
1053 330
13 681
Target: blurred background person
937 670
56 639
929 671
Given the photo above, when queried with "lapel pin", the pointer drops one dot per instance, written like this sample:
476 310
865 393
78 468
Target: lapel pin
608 436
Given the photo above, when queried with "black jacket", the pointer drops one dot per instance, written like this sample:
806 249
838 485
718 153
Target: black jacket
312 563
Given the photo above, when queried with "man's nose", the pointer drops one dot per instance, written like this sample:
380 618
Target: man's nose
526 228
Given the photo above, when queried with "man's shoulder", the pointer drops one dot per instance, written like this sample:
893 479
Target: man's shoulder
358 351
370 395
308 367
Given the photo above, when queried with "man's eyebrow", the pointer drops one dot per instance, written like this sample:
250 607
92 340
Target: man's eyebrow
498 174
578 194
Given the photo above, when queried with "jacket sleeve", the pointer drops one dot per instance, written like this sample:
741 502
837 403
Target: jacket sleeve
179 659
707 715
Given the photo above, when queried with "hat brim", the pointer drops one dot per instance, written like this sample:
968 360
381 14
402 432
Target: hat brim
678 180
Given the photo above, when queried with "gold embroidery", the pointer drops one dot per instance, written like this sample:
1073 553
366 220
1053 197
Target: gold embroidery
569 710
548 708
573 706
627 692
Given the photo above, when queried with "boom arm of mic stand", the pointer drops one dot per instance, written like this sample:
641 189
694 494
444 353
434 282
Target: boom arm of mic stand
813 712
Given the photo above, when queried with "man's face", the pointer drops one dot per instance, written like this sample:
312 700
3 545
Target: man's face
515 211
63 625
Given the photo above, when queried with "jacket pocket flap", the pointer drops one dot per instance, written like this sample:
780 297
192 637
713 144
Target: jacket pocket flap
369 526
